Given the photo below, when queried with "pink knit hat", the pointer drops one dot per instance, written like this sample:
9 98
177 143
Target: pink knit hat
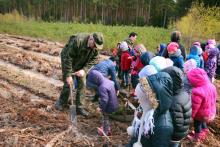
212 41
189 65
172 47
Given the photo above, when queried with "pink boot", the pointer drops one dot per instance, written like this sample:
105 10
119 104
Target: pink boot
101 131
197 137
205 132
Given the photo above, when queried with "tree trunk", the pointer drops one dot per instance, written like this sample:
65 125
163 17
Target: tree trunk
165 17
149 10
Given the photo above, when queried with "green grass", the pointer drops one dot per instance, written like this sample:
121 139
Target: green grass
149 36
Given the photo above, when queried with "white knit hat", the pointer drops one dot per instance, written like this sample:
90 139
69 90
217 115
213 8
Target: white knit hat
158 62
189 65
147 71
124 46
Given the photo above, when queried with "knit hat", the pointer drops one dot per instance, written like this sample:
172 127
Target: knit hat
124 46
212 41
147 71
158 62
197 44
189 65
172 47
169 62
209 46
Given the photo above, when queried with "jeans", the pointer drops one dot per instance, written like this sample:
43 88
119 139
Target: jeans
105 123
199 125
125 76
174 143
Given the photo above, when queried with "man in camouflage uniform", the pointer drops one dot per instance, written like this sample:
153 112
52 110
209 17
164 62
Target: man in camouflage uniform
130 41
78 56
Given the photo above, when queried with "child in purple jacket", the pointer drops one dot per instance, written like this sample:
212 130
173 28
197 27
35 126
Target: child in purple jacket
211 64
108 101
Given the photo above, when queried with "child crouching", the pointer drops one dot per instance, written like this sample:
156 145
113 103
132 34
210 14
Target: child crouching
108 101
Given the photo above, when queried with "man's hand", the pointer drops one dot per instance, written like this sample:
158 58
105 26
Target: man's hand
80 73
69 80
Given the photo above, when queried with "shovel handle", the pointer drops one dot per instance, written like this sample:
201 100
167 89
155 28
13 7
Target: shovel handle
71 93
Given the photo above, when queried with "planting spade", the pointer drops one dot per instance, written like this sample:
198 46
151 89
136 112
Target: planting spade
73 117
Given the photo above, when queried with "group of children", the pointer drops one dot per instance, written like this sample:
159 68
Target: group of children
172 88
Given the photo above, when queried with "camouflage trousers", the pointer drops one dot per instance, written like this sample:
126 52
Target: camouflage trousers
65 93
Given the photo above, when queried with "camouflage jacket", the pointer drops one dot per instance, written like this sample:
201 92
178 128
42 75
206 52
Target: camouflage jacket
76 55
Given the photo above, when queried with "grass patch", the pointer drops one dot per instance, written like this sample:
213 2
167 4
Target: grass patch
149 36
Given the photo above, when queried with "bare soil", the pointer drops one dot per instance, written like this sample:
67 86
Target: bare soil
30 83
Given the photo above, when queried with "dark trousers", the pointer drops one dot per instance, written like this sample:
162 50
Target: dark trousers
160 138
65 93
125 77
134 80
199 125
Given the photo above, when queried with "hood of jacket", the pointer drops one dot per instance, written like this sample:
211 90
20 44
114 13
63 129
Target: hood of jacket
161 83
213 52
146 57
197 77
194 50
177 77
95 77
162 48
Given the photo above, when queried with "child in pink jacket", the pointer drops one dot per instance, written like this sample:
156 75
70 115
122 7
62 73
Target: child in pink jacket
204 96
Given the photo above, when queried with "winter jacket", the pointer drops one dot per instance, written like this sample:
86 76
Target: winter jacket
108 68
187 85
125 61
202 64
72 53
162 48
203 95
218 61
146 57
108 100
175 38
194 54
136 66
162 85
211 64
181 109
177 59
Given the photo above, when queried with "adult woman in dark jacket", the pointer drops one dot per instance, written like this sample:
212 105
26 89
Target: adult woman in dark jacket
181 108
175 37
161 83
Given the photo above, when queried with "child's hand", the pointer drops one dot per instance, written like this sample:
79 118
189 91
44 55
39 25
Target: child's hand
98 110
117 92
130 57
